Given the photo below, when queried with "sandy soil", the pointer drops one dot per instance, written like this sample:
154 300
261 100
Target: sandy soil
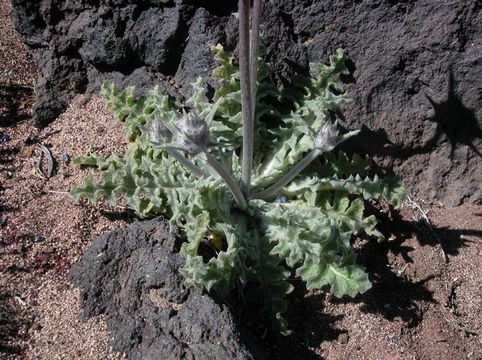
421 306
45 231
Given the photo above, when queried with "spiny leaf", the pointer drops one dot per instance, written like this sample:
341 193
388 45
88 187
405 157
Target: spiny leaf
343 276
341 165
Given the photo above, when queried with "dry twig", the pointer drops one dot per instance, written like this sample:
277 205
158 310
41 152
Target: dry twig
429 224
50 162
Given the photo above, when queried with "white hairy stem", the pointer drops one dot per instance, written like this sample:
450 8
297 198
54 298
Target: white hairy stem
246 97
229 180
186 163
254 48
290 175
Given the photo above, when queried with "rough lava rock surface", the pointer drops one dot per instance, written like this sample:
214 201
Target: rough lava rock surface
131 276
415 68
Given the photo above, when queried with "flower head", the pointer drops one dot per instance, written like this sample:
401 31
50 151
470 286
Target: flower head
192 133
327 137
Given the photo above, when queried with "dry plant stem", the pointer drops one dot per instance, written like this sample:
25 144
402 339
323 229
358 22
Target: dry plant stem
248 126
429 224
229 180
254 48
290 175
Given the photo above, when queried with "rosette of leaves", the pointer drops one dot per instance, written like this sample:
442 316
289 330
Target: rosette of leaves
305 203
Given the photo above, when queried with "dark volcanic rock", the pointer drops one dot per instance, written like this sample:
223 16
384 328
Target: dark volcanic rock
415 82
132 277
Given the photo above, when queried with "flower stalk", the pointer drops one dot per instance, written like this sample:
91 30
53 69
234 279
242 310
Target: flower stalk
186 163
246 96
228 179
327 138
290 175
254 48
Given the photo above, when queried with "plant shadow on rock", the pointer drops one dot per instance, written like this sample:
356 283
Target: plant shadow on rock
454 121
309 325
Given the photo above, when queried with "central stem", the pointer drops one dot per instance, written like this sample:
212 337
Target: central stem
254 48
246 96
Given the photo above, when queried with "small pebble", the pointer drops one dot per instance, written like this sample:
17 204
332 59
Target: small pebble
36 327
281 199
38 239
65 157
5 138
343 338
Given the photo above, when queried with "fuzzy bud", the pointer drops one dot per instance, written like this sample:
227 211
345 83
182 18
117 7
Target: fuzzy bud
327 137
192 133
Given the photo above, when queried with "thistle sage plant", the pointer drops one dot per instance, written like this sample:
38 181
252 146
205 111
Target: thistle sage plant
257 191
